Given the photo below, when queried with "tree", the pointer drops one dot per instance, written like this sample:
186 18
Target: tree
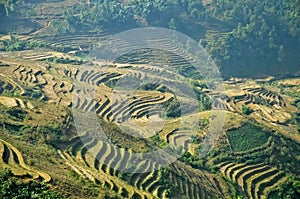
173 109
246 110
172 24
8 5
262 34
281 53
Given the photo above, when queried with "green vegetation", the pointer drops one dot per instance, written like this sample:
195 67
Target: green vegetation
64 60
163 180
17 121
7 6
204 99
157 141
246 110
34 92
125 139
14 113
290 189
112 14
246 137
13 187
262 33
192 160
173 109
246 38
15 44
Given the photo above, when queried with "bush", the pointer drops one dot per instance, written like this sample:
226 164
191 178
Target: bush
190 159
173 109
15 44
246 110
16 113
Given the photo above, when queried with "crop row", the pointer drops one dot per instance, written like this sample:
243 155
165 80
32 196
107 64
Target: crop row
255 180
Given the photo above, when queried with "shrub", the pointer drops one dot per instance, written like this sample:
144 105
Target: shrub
173 109
246 110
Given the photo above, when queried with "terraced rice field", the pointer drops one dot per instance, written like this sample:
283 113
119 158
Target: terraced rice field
132 123
8 85
93 90
98 160
69 43
254 179
266 105
104 163
12 158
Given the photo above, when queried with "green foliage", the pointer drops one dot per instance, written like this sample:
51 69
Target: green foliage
125 137
238 197
15 44
153 12
203 123
111 13
149 86
286 154
195 139
49 134
62 60
9 6
246 110
262 33
204 100
62 27
15 113
173 108
246 137
107 14
189 71
164 182
34 92
114 14
157 140
12 187
190 159
290 189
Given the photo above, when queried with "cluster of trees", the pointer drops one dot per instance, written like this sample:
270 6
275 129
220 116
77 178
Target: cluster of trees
290 189
204 100
6 6
15 113
173 108
153 12
15 44
188 158
113 14
263 32
12 187
63 60
246 110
